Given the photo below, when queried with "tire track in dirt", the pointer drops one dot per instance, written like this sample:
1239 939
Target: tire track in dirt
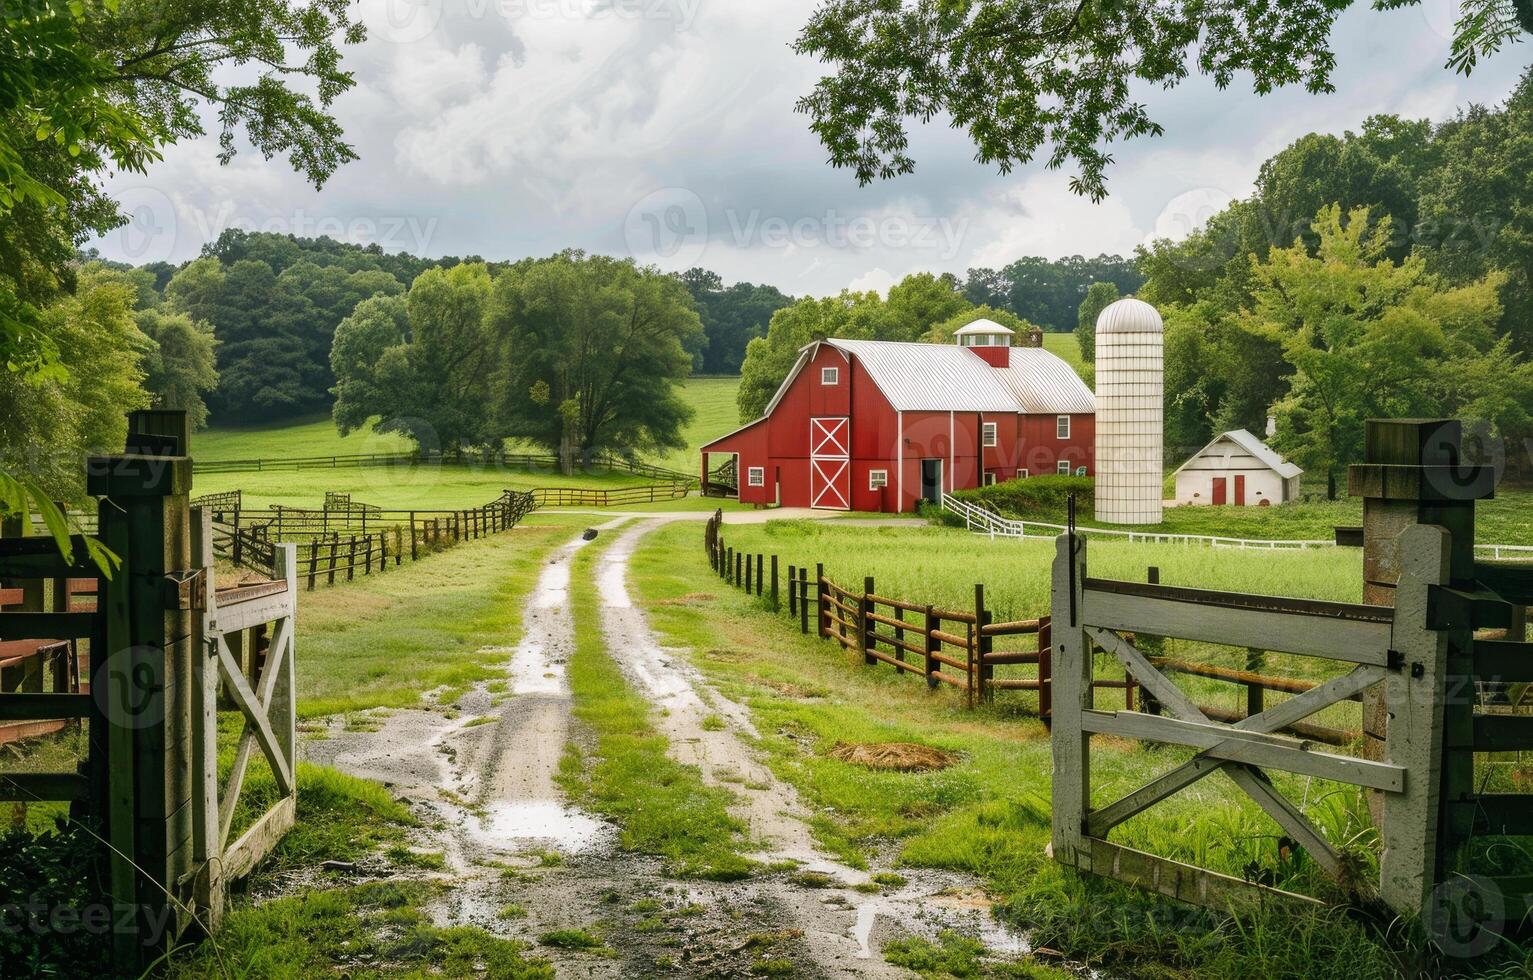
843 928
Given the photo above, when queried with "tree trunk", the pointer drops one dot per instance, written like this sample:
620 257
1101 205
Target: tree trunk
1330 484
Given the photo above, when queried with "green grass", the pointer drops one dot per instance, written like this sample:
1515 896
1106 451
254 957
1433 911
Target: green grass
382 640
989 815
1064 347
295 438
941 565
662 806
715 414
371 930
1505 519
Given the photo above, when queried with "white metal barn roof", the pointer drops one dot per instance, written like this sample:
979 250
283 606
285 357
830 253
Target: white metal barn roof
917 377
1257 449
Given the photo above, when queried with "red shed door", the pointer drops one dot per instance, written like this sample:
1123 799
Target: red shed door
830 464
1219 488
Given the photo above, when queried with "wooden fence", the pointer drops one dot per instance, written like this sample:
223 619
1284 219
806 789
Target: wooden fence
157 653
504 460
348 538
953 647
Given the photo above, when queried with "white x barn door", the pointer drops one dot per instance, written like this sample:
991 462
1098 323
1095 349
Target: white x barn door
830 463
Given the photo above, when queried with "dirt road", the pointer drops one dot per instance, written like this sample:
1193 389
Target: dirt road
521 862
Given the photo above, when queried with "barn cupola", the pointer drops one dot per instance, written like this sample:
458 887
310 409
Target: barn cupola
990 341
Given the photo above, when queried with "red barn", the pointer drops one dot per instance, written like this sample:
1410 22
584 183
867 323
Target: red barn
878 425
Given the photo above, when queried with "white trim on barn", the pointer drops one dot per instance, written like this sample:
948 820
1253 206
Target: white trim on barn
1239 469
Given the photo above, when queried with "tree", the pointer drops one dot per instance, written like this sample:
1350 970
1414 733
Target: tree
1099 296
731 317
849 316
592 349
1023 75
1479 200
50 421
922 300
1368 337
180 365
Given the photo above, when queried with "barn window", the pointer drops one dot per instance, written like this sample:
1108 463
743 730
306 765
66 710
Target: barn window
1062 426
990 478
1064 467
755 476
989 434
830 376
1022 474
878 479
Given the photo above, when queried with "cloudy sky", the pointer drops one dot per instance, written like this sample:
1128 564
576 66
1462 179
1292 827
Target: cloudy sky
664 129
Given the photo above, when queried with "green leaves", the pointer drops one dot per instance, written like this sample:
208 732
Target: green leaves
19 498
1024 77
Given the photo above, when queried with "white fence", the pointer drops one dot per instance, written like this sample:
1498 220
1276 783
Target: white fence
982 521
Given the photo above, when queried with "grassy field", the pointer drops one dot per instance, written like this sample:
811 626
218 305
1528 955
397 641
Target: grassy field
989 814
425 488
1505 519
1064 347
941 565
712 400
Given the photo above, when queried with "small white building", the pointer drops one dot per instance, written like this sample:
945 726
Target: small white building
1237 468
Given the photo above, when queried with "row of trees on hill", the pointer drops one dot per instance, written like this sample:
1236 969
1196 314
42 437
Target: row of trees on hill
574 353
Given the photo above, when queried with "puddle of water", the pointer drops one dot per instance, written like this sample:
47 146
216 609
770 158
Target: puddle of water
511 826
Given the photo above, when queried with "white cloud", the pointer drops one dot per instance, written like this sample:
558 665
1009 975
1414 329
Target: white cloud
515 127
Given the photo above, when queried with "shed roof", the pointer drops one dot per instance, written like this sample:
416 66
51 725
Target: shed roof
917 377
984 326
1259 450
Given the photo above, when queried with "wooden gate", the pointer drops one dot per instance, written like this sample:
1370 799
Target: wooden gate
159 652
830 467
1382 645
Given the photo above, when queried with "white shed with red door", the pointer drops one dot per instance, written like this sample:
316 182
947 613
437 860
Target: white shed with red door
1237 469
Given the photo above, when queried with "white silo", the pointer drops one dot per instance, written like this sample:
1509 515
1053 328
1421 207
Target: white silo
1130 413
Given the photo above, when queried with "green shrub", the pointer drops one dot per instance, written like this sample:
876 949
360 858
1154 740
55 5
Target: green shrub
1035 497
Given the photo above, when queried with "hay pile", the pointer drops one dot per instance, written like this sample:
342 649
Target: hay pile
896 756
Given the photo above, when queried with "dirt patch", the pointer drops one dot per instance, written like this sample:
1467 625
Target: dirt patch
690 599
898 756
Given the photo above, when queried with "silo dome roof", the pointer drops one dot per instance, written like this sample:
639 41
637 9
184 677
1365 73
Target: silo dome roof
1129 315
981 326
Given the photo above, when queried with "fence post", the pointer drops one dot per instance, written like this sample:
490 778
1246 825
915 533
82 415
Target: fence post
774 583
1411 828
983 643
1255 694
413 552
820 603
739 572
865 638
801 589
729 566
792 590
237 546
335 546
1071 678
758 574
748 564
932 644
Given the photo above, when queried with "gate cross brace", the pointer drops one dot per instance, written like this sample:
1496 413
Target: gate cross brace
255 706
1250 779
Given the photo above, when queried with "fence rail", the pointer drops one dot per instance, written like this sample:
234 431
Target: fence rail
982 521
601 461
348 538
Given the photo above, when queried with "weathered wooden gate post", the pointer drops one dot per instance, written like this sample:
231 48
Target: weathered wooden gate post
147 672
1071 694
1413 473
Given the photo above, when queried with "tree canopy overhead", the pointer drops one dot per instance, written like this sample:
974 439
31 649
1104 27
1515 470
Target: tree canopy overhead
1024 77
